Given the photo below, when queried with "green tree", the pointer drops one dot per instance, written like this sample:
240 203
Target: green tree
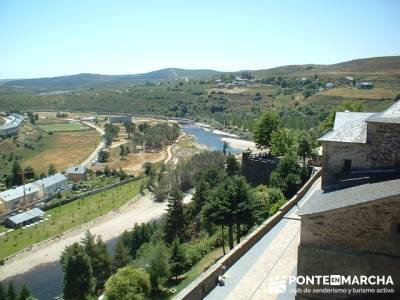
283 140
29 172
201 194
263 130
175 219
232 166
79 282
31 118
100 260
16 174
287 175
224 147
158 266
121 256
128 283
306 146
3 295
177 259
328 123
264 198
103 156
122 151
52 170
11 294
230 205
24 293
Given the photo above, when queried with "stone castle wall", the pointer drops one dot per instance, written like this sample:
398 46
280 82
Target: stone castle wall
358 240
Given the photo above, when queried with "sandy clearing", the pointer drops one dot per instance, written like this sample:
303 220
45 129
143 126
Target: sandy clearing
240 144
138 210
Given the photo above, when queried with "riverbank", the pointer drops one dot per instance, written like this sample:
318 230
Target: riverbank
240 144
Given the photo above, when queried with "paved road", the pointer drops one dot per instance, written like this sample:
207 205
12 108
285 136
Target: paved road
141 210
88 161
263 272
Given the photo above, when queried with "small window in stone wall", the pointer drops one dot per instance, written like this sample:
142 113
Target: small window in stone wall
396 230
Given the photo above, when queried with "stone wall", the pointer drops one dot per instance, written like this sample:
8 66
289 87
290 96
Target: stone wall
200 287
356 240
257 169
382 151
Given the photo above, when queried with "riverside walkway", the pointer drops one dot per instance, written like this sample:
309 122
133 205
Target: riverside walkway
263 272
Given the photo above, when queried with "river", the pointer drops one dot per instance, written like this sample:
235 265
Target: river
205 137
45 281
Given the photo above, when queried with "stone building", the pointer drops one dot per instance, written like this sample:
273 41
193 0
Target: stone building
77 173
361 144
19 196
351 226
257 168
351 232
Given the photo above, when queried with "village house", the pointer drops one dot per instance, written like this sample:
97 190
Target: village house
361 145
351 226
19 196
120 119
12 125
24 218
52 184
77 173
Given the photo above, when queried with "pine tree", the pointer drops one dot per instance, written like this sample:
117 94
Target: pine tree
121 256
2 292
232 166
201 194
16 174
25 293
100 260
158 267
11 294
78 273
177 260
52 170
175 218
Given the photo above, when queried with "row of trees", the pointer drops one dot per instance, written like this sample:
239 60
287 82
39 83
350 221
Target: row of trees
152 137
10 293
111 132
19 175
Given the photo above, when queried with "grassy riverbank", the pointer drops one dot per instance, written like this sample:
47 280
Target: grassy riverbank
71 215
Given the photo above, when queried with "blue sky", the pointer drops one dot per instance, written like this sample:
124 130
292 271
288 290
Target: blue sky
49 38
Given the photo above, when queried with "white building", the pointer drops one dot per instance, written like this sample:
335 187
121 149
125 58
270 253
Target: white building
21 195
12 125
51 184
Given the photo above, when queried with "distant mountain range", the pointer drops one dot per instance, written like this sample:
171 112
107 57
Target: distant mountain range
388 65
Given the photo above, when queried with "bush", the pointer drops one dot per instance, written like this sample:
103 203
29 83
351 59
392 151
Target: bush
195 252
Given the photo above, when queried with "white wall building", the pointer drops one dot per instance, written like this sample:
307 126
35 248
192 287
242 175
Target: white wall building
51 184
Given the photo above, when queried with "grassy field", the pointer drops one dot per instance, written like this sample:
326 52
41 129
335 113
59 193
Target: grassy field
63 127
207 261
68 216
62 149
367 94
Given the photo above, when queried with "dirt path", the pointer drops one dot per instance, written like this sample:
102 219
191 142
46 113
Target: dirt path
142 209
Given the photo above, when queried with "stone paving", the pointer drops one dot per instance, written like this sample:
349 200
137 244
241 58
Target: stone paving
263 272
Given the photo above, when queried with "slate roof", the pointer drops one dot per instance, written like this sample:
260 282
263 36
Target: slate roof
76 170
51 180
18 192
26 216
349 127
325 201
391 115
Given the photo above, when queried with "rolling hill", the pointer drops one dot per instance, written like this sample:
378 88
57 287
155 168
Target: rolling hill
87 80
